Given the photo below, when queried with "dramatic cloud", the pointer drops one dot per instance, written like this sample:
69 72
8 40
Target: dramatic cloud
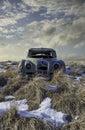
57 32
53 6
7 21
12 19
42 23
13 51
11 15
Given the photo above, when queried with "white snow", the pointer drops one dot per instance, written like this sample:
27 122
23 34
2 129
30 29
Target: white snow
81 73
1 66
2 70
76 117
9 63
14 67
9 97
78 78
51 87
68 69
7 105
70 76
44 112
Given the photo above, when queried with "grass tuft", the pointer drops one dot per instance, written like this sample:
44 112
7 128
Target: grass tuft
69 98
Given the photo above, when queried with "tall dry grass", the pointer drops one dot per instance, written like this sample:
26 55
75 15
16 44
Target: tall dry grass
69 98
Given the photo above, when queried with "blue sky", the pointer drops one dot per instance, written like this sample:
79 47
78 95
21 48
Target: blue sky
59 24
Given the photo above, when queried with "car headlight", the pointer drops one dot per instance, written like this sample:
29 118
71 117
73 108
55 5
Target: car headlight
56 66
28 66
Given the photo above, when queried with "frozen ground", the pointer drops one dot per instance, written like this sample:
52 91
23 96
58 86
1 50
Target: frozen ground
10 83
5 65
69 70
74 73
44 111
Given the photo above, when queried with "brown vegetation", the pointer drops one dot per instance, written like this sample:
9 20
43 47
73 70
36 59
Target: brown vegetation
69 98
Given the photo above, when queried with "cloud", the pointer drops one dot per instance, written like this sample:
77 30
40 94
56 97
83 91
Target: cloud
10 15
20 16
82 44
61 25
69 7
49 29
9 36
10 12
60 32
17 51
6 4
12 19
7 21
12 32
1 28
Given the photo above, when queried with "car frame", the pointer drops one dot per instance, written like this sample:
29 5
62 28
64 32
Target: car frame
41 62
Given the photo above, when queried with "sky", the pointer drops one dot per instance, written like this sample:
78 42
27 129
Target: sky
58 24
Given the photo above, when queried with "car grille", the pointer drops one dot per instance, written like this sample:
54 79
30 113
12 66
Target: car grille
42 68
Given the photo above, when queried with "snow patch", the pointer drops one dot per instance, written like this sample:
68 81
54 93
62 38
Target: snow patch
9 97
78 78
14 67
7 105
44 112
68 69
9 63
2 70
1 66
51 87
76 117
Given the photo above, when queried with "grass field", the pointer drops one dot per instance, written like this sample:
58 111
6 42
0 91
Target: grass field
69 98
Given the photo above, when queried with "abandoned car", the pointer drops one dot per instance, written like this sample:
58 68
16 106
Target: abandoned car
41 62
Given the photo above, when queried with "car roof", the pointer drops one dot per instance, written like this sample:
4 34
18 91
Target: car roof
40 50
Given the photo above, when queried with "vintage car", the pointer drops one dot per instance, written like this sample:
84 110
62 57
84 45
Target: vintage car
41 62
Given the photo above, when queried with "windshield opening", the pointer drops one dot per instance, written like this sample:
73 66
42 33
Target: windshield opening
41 55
